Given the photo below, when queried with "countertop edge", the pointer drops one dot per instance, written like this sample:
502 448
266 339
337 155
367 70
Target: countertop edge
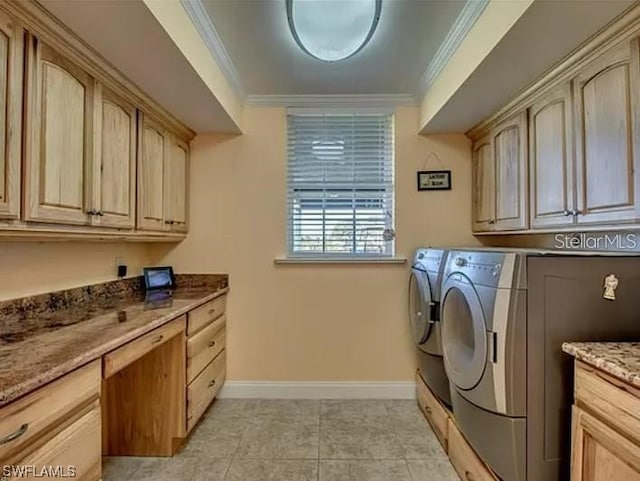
20 390
609 366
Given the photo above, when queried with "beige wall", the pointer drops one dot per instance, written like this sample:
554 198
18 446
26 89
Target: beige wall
35 267
322 322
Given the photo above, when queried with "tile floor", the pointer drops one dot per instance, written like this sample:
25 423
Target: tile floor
296 440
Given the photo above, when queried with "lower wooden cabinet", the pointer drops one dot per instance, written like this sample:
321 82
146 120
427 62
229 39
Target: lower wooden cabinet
56 427
605 444
464 460
434 411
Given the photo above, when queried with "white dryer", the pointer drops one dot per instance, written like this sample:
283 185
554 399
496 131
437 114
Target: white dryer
424 316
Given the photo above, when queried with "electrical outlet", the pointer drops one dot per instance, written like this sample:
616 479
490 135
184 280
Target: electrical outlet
121 267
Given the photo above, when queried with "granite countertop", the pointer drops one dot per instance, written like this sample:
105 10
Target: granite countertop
620 359
45 337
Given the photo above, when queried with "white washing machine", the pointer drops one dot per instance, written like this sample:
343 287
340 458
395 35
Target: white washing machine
424 315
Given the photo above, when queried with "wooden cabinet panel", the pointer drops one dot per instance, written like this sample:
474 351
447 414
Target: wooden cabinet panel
152 145
204 347
175 185
483 185
607 137
601 454
434 411
26 419
203 315
76 446
204 389
11 55
114 166
464 460
134 350
510 154
58 148
551 177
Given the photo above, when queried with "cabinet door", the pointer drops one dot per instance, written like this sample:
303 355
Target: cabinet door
175 184
114 161
509 141
601 454
75 452
11 56
607 144
152 145
59 137
551 160
483 185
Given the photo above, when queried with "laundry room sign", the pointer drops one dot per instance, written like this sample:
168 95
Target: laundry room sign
434 180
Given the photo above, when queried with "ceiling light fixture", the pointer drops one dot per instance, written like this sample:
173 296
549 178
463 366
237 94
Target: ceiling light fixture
333 30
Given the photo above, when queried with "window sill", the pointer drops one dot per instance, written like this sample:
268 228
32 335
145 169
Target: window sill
340 260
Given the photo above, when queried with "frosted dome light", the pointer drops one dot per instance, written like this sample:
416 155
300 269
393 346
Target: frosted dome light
333 30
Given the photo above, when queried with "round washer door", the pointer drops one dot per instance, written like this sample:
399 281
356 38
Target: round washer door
419 306
464 332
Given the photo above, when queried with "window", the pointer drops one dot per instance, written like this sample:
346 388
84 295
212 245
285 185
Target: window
340 184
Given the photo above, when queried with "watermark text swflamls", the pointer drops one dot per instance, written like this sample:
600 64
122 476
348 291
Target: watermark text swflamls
18 471
585 241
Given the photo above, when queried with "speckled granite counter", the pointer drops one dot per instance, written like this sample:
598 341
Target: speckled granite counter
44 337
620 359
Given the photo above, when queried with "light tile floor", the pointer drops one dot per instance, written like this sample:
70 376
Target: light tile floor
296 440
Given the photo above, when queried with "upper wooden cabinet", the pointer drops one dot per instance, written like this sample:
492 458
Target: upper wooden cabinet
551 180
483 185
162 176
113 185
11 55
608 137
500 177
510 153
59 133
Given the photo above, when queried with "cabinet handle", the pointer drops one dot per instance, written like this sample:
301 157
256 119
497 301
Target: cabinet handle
492 222
468 476
14 435
567 212
168 222
212 311
427 410
100 213
575 212
212 383
157 339
92 212
212 343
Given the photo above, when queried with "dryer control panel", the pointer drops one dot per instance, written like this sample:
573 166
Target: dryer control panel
482 268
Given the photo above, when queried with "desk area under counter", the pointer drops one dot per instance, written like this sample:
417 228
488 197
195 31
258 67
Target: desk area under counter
100 370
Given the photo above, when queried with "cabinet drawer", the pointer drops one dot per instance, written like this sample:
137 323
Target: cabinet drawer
29 418
612 400
77 448
204 388
203 315
437 415
134 350
204 346
464 459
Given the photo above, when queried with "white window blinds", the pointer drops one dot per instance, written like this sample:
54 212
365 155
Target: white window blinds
340 184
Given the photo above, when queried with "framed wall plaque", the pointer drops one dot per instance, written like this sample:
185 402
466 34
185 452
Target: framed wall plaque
434 180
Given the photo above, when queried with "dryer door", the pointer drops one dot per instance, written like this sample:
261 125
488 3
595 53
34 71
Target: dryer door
464 332
420 306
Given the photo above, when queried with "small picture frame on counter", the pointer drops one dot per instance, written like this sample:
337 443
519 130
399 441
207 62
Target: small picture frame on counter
434 180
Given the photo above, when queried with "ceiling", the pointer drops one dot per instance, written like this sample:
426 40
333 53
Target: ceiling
256 37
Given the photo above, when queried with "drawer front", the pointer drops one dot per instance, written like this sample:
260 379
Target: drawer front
203 315
77 447
29 418
204 389
612 400
134 350
204 347
437 415
464 459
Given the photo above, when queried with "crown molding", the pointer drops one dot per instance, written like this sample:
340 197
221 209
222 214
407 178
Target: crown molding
330 100
201 20
458 31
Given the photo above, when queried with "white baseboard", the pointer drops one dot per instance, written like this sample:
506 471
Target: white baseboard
318 390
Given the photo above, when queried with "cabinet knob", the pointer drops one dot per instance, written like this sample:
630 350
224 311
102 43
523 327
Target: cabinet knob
492 222
92 212
100 213
575 212
567 212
